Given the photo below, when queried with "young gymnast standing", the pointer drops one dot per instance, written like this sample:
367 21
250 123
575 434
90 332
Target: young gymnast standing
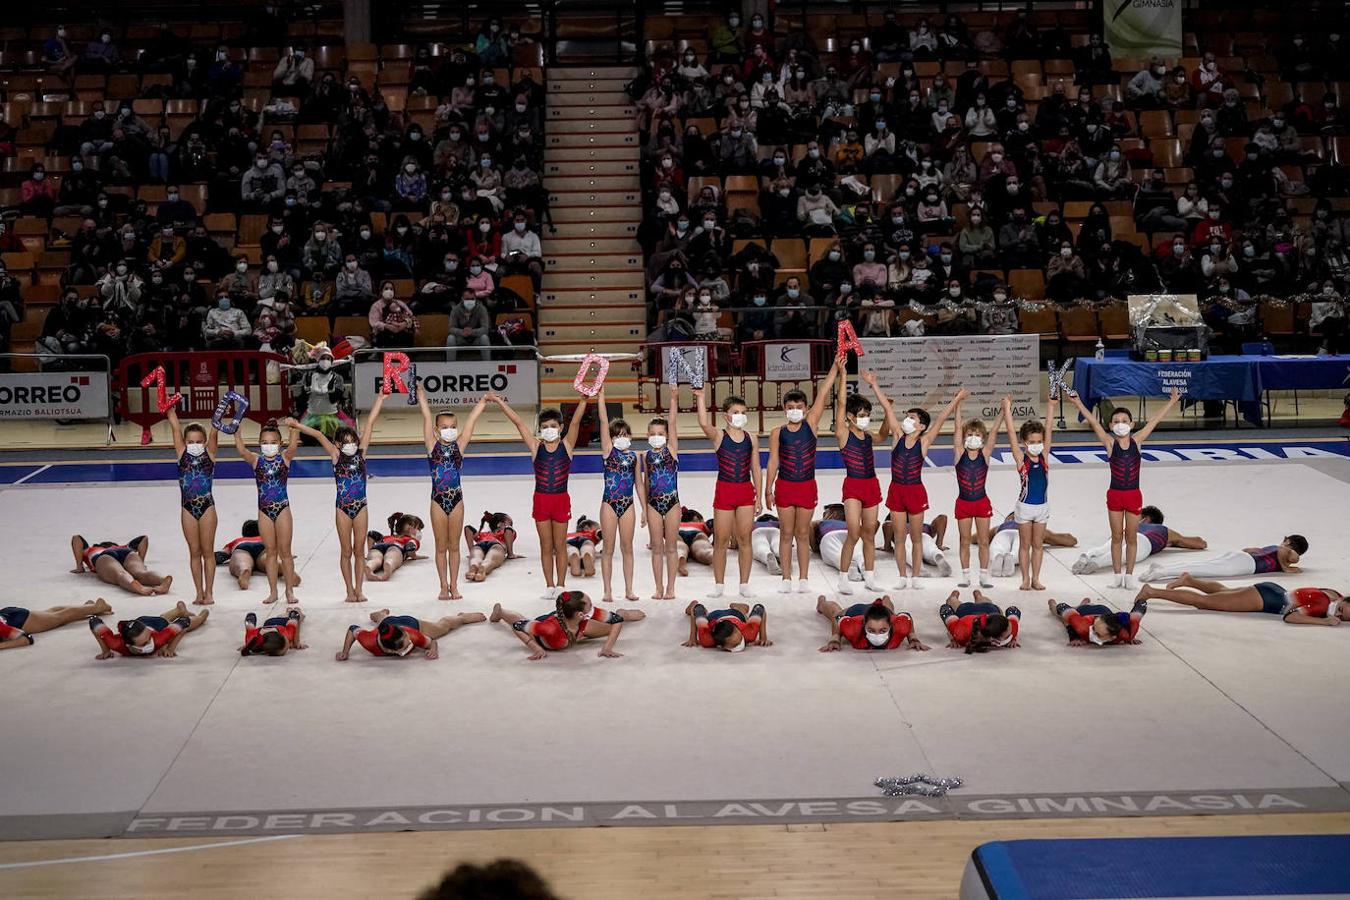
736 499
445 445
791 482
862 490
616 507
906 498
196 451
271 468
347 452
1124 500
1031 456
973 444
658 489
552 452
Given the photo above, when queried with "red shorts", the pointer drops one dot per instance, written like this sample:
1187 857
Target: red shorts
801 494
552 507
1125 501
910 499
866 491
974 509
734 494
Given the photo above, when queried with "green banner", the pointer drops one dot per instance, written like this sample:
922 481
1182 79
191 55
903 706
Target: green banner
1143 28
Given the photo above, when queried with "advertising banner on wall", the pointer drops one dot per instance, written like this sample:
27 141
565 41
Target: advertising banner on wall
458 383
1142 28
54 395
928 371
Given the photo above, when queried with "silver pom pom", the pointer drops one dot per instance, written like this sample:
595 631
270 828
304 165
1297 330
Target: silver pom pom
917 784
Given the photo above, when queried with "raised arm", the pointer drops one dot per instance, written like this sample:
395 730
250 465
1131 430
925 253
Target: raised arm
1006 417
429 436
958 445
1051 409
990 444
328 446
817 410
179 445
606 442
471 422
889 422
526 434
954 407
574 426
704 420
246 454
292 444
370 420
672 422
1102 434
840 415
1158 417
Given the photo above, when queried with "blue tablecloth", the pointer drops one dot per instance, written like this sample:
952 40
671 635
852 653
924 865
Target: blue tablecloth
1244 379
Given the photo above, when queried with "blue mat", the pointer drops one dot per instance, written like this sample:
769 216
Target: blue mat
1285 866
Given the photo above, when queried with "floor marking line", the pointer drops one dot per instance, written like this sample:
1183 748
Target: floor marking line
137 853
34 473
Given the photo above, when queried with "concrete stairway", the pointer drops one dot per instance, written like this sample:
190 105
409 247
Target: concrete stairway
592 297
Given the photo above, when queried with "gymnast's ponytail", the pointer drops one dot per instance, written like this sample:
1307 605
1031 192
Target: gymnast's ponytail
393 522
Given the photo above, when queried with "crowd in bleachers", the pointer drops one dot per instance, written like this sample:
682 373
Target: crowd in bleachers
977 173
239 187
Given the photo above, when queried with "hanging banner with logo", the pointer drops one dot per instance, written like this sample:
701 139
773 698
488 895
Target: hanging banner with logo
928 371
458 383
54 395
1142 28
787 362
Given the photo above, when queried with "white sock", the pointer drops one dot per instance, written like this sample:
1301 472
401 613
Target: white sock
746 592
1117 579
844 586
1129 583
985 580
785 586
717 591
801 586
901 584
870 580
965 578
913 583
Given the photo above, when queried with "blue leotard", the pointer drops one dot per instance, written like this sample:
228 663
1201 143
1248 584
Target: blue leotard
271 476
445 461
620 472
195 476
350 474
663 481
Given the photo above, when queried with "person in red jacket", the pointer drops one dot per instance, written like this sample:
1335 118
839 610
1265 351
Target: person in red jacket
1095 624
868 626
979 626
37 195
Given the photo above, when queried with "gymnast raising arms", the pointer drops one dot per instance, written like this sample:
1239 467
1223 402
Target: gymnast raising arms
658 490
347 453
196 450
446 446
271 470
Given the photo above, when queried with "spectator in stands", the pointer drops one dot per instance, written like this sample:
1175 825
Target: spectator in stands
491 46
352 290
1328 317
262 185
795 316
1092 64
300 184
487 184
174 210
275 328
392 322
57 54
294 74
869 269
37 194
1328 118
736 151
225 75
120 289
79 191
101 55
849 154
167 250
1208 81
67 328
1065 275
725 44
976 242
226 327
1213 225
521 251
1147 89
756 323
1231 118
410 186
1017 242
322 256
1021 41
1155 206
469 323
1112 176
239 287
479 281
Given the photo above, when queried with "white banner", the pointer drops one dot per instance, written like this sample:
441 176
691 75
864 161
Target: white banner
787 362
54 395
1138 29
458 383
927 371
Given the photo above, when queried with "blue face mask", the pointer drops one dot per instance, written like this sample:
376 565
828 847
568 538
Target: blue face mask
793 293
760 301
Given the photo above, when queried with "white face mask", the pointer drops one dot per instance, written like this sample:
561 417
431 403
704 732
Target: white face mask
349 449
549 434
195 449
1121 429
270 450
241 267
1035 449
656 441
622 443
387 293
907 425
142 649
738 420
878 640
863 422
1095 638
449 434
796 415
974 442
738 648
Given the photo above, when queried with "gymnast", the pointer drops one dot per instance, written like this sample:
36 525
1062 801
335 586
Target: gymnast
765 544
277 634
1096 625
18 625
1031 455
347 452
573 620
617 515
271 470
932 536
445 445
388 552
1282 557
1300 606
828 536
731 629
861 492
1124 500
658 490
695 540
868 626
1005 550
400 635
196 451
490 545
146 635
122 565
979 626
1158 537
737 495
581 547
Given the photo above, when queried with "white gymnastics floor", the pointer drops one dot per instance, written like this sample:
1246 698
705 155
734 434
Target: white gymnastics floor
1212 713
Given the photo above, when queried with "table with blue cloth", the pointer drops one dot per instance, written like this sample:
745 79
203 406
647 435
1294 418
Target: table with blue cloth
1242 380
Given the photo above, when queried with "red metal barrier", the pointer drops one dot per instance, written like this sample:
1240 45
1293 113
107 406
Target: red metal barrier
202 378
